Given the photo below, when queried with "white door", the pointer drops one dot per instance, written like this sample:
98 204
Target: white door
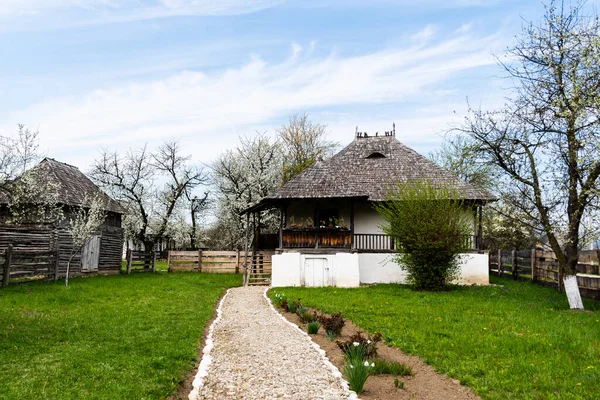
316 272
90 254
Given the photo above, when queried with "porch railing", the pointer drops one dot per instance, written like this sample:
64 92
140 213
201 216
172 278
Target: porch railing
313 238
332 238
373 241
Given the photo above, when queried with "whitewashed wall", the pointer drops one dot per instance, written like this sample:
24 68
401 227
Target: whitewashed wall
351 269
288 269
379 268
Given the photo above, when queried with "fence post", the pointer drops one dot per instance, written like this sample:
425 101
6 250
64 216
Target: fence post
515 268
129 251
534 271
500 266
199 260
153 261
237 262
6 269
56 264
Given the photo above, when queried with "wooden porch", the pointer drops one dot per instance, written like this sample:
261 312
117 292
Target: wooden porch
344 239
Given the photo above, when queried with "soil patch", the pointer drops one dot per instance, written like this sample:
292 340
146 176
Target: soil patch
424 384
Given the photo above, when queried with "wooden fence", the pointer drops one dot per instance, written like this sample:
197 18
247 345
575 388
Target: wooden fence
21 263
542 267
141 261
228 262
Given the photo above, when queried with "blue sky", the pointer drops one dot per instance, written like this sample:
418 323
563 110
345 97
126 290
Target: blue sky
93 74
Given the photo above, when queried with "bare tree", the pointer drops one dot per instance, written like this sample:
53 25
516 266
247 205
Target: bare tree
132 179
83 226
303 143
546 139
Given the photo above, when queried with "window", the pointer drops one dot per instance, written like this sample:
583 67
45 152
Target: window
376 154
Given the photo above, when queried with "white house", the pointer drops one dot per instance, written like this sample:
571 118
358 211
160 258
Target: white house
330 234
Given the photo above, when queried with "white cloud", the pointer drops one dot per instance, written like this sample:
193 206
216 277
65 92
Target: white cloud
209 109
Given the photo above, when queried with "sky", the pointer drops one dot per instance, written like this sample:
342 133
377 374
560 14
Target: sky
117 74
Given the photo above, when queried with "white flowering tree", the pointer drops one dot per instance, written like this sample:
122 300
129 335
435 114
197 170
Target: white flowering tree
133 179
30 196
82 226
546 138
242 177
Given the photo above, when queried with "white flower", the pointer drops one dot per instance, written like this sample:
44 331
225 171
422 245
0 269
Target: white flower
351 366
368 342
356 344
372 364
366 363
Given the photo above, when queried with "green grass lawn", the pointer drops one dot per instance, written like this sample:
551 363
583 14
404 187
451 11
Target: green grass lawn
105 337
517 341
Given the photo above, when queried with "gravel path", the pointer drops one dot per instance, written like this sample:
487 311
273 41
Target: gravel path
258 355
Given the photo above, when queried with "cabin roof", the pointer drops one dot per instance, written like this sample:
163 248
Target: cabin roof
367 168
74 187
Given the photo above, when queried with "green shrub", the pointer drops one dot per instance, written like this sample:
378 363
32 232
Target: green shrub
385 367
430 225
330 335
313 327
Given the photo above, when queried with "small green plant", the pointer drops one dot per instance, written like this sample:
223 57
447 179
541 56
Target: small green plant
357 371
367 345
307 316
313 327
398 383
334 323
278 299
301 310
284 304
330 335
355 351
385 367
294 306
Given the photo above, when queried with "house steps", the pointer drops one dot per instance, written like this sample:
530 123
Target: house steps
257 279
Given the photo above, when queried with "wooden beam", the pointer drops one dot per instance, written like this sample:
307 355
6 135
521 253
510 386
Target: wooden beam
6 269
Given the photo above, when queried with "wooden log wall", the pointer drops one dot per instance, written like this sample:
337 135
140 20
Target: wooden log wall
227 262
542 267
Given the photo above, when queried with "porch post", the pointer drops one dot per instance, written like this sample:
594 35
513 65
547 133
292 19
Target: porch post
352 224
246 248
479 242
281 222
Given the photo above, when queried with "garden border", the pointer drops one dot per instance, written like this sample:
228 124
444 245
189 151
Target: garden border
334 370
202 373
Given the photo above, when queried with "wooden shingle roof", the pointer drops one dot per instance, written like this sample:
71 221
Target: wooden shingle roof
74 187
368 167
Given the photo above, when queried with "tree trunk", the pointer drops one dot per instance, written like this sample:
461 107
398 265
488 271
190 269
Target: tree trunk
572 291
148 248
569 273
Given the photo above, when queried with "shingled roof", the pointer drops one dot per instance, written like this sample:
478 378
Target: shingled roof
367 168
75 189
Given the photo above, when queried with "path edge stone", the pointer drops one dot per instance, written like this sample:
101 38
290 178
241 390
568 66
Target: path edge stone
202 373
334 370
